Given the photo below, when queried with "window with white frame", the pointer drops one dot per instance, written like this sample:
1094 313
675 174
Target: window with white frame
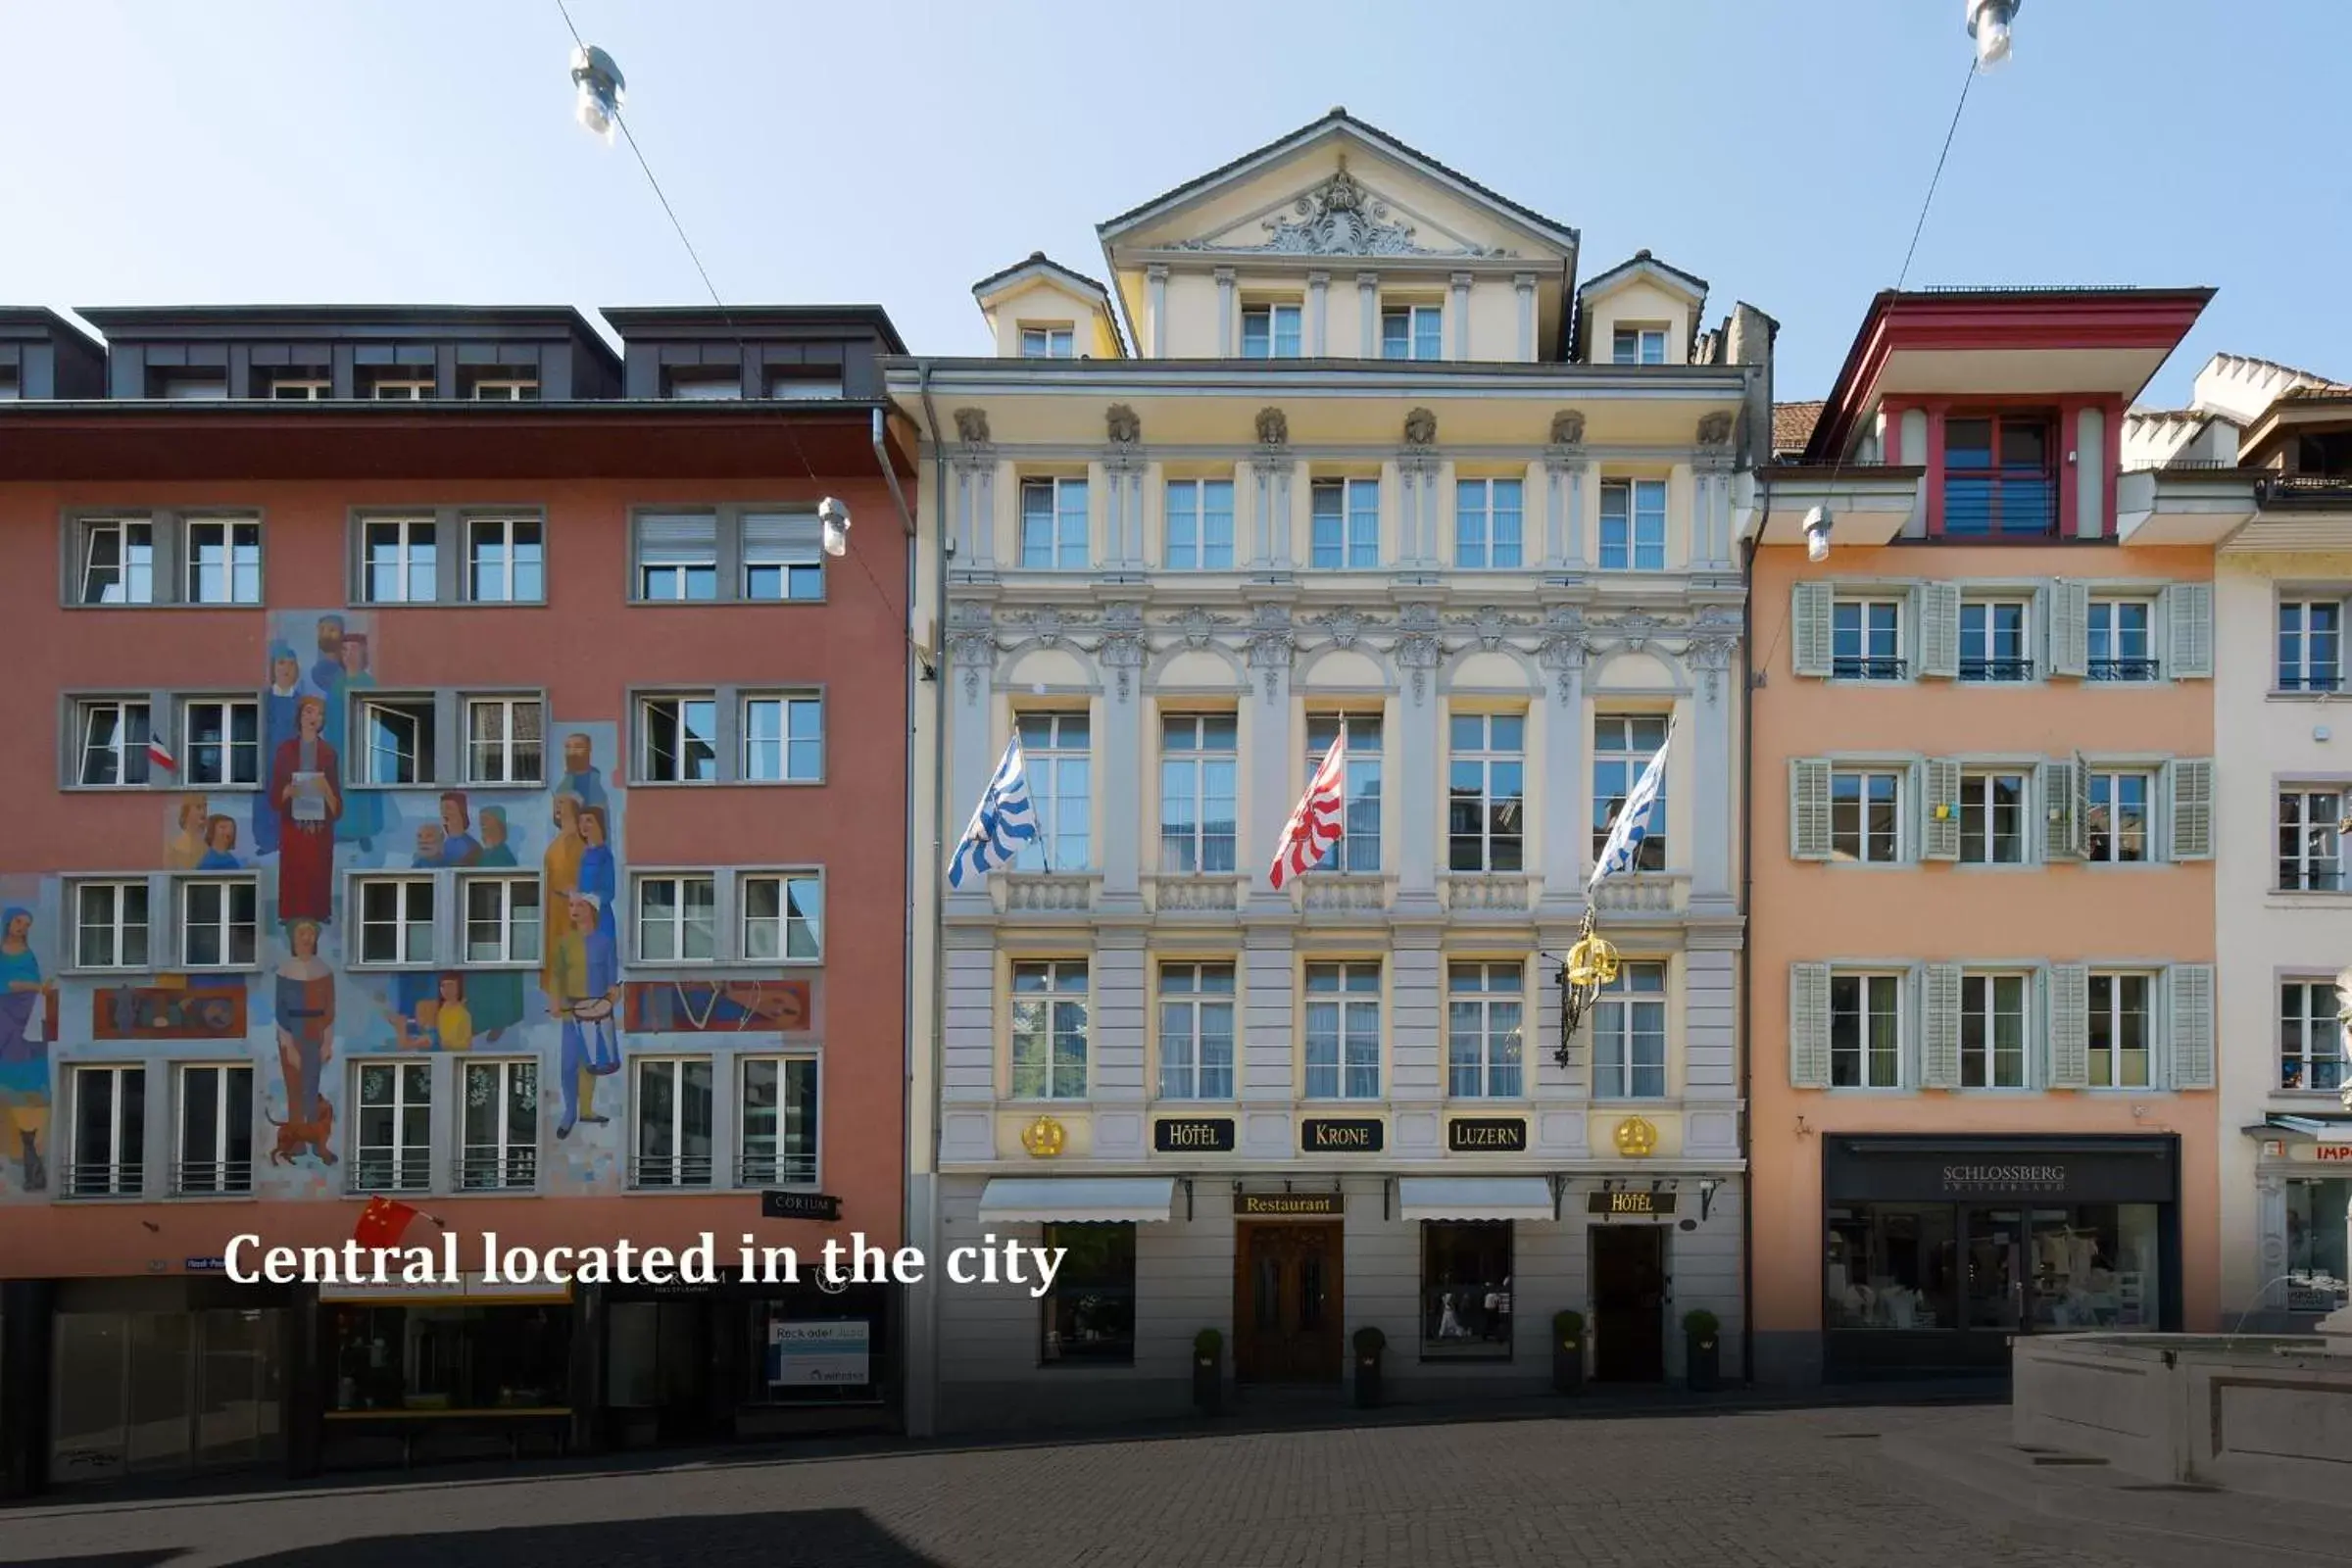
2117 644
404 383
220 740
1198 764
1993 1030
2309 1039
224 560
1412 333
1622 745
392 1137
110 925
1054 524
1270 333
113 734
675 1122
216 1129
1633 525
1344 530
783 916
1488 524
1994 829
189 387
400 561
783 557
1049 1008
110 1132
1483 1004
677 738
502 383
1867 640
777 1122
1993 643
300 388
1629 1034
1056 342
1358 848
1196 1031
1057 751
2118 828
784 739
677 919
810 383
2120 1030
2311 847
702 383
1637 345
1485 777
503 921
217 923
506 742
677 557
505 561
396 919
498 1146
1866 815
1200 525
396 739
117 560
1343 1031
1866 1031
2311 645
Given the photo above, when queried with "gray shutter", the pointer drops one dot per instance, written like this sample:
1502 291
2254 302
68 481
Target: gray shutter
777 538
2189 614
1939 811
2067 1029
2189 1024
1808 809
2061 836
1940 1027
677 539
1939 629
2070 628
1813 642
1810 1025
2188 796
2081 824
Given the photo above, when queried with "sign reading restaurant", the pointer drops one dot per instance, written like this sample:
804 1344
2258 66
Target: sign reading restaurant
1288 1204
1324 1135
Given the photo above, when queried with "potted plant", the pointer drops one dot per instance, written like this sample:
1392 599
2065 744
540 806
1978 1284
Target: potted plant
1208 1383
1369 1343
1567 1352
1703 1347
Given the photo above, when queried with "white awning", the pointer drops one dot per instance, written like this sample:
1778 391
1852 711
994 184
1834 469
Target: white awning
1474 1198
1046 1199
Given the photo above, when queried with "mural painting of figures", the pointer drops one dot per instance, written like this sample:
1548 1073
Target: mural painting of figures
306 790
587 991
27 1020
580 780
280 709
559 875
183 850
219 844
438 1022
458 846
496 996
305 1026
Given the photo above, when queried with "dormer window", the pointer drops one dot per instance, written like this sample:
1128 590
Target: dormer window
8 383
692 384
402 385
302 387
199 386
1412 333
1270 333
1997 477
502 383
794 384
1637 345
1058 341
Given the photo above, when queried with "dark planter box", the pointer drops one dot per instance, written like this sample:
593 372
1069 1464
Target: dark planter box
1209 1388
1703 1359
1367 1382
1568 1368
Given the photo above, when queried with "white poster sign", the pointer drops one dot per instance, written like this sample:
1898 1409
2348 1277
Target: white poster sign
816 1355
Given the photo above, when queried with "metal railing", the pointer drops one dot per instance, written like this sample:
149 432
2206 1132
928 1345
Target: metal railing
192 1177
2123 669
777 1170
383 1170
99 1179
1997 669
489 1169
1850 667
670 1170
1978 503
2308 486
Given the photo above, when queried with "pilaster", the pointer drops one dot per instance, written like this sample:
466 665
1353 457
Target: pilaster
1318 314
1155 279
1367 299
1228 345
1522 284
1462 314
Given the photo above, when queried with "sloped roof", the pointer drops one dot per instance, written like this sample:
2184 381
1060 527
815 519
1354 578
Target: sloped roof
1040 262
1643 261
1793 424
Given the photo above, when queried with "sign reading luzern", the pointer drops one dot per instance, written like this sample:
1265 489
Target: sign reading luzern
1288 1204
1321 1135
1630 1200
1470 1135
775 1205
1176 1135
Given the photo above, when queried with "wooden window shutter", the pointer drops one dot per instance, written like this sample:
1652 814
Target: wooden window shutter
2062 827
1808 809
2067 1029
1939 629
1940 1027
2070 628
2189 1024
2188 796
1812 643
1939 811
1810 1025
2188 616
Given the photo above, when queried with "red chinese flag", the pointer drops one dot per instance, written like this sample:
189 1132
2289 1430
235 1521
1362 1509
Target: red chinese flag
383 1222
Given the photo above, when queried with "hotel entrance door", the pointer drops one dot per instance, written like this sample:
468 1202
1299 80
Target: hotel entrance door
1287 1303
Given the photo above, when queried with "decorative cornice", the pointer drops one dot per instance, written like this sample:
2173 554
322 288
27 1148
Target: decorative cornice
1339 217
1345 624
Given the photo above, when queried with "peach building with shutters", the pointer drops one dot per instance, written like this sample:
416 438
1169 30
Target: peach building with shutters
1981 832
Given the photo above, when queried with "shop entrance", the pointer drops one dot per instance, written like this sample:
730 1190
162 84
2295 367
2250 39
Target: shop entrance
1287 1307
1629 1303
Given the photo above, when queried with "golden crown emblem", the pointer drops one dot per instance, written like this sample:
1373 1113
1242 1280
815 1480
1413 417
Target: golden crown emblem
1043 1138
1636 1138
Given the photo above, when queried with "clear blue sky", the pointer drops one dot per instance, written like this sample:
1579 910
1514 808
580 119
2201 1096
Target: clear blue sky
289 150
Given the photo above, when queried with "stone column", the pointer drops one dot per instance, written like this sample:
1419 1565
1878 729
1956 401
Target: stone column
1564 780
1367 298
974 525
1121 757
1155 278
1462 314
1318 314
1267 738
972 738
1417 653
1708 654
1278 473
1227 345
1524 285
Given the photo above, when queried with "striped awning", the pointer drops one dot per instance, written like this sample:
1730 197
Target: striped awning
1076 1199
1474 1198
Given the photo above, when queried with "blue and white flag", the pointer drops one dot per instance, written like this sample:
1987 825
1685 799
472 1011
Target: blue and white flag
1001 823
1624 846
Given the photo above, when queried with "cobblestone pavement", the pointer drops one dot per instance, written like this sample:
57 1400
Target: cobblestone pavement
1778 1489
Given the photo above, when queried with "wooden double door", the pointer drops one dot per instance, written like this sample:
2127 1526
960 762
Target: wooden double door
1629 1303
1287 1303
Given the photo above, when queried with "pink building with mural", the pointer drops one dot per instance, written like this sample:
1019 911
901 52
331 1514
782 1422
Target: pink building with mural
448 767
1981 830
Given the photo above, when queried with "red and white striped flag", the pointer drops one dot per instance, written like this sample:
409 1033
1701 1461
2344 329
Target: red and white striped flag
160 755
1314 827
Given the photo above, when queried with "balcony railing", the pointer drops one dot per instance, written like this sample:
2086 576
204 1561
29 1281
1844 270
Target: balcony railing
1644 892
1997 669
1979 505
1333 892
790 1169
197 1177
487 1168
388 1170
2326 489
670 1170
1850 667
99 1179
1049 892
1210 893
1487 893
2124 669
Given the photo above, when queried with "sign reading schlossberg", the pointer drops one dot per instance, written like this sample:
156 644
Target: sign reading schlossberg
2004 1178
